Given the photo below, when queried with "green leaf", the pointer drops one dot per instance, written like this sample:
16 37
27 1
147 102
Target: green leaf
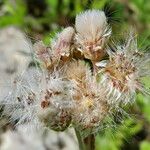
145 145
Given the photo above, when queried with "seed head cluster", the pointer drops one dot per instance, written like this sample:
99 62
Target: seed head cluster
65 90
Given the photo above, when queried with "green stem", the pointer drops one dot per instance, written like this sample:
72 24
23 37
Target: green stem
80 140
87 143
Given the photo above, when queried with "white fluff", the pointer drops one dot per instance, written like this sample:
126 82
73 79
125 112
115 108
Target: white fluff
91 24
15 50
61 45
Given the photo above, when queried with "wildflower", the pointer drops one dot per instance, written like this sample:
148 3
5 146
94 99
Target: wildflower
15 51
90 104
56 104
42 98
122 74
67 91
19 104
92 33
60 50
61 46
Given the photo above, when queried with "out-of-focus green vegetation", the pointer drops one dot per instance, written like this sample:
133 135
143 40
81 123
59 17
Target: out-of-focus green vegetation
41 19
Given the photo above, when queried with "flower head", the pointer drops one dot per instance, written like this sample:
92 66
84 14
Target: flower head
124 71
90 102
38 97
61 46
92 33
69 91
60 51
91 105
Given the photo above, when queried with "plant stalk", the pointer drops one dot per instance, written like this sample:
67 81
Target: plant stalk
87 143
80 140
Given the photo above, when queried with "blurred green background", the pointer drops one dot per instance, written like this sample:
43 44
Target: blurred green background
41 19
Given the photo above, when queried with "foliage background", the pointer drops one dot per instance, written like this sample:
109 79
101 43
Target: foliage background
41 19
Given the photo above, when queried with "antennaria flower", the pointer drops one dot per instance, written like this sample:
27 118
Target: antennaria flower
124 71
90 103
21 101
60 51
38 97
15 51
82 92
61 46
56 104
92 33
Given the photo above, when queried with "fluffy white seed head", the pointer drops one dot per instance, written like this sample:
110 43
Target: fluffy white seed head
61 46
15 50
38 97
90 102
92 32
68 91
91 105
21 102
123 72
91 24
60 51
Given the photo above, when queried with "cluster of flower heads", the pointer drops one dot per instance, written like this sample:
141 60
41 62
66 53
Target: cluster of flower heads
67 90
